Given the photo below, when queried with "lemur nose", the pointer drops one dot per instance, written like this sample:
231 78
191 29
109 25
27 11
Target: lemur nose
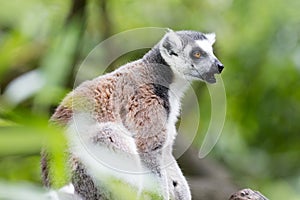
220 67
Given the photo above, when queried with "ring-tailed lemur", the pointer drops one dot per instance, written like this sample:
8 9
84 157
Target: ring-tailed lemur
142 98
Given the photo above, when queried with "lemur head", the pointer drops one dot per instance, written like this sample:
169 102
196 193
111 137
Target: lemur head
190 55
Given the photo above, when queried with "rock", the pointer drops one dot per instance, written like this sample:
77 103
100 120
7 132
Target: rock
247 194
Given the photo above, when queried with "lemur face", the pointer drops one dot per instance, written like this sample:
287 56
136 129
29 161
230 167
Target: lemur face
190 55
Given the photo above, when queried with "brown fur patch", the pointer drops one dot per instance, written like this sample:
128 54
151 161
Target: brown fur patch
62 115
104 106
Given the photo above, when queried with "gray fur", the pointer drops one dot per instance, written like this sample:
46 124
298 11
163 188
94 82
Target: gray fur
85 186
142 97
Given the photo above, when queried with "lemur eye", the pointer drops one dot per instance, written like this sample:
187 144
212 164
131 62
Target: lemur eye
197 54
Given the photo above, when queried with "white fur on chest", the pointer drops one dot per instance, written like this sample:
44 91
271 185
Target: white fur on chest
176 91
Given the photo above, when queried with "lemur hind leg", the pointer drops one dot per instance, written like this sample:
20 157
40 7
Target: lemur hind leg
101 151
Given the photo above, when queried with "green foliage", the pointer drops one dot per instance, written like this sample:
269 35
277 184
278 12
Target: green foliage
121 190
258 42
21 142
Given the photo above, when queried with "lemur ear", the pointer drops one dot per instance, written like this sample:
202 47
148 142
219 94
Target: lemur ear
172 42
211 37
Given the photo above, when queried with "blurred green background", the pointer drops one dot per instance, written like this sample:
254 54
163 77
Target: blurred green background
257 41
